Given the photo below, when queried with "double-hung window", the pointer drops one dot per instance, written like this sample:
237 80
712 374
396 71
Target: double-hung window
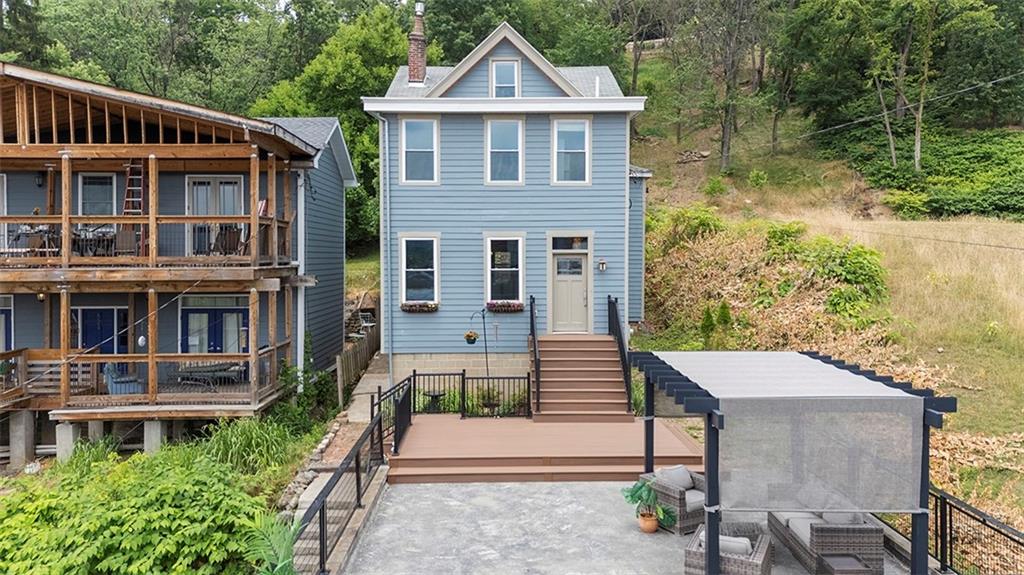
420 140
504 151
96 197
419 270
504 78
504 269
571 151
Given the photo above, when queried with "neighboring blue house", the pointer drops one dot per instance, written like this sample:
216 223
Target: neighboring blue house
504 178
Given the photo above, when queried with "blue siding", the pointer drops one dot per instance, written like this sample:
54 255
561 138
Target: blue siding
637 205
476 82
462 209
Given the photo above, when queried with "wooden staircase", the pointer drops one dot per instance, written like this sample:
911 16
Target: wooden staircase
581 381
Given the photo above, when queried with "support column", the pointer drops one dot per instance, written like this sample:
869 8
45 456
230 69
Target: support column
648 424
67 435
23 438
254 344
272 335
65 346
151 345
96 430
152 209
919 521
289 321
712 512
65 210
287 209
153 433
272 204
254 208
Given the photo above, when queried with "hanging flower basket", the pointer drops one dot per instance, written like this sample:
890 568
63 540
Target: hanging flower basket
471 337
419 307
505 306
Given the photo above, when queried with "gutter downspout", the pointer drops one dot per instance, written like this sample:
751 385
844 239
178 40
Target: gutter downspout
385 211
300 336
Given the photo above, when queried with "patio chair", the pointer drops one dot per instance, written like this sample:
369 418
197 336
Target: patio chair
227 241
686 498
744 549
809 535
119 384
125 243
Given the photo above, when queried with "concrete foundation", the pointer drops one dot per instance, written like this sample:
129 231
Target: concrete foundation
96 430
153 434
67 435
23 438
474 363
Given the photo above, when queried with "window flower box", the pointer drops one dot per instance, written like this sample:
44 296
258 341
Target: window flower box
505 306
419 307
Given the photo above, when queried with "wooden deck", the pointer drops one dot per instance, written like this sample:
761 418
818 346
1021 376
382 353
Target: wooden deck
446 449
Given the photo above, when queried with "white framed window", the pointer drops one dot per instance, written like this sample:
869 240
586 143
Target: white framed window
504 158
504 273
570 151
97 194
420 281
504 78
420 142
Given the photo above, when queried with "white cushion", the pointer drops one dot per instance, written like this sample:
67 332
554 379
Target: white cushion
801 527
732 545
694 500
785 516
843 518
677 476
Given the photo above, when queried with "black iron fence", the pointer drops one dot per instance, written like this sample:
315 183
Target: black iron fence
615 330
323 524
535 343
966 540
471 396
394 407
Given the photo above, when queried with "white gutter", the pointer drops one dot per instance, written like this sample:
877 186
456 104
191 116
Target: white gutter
503 105
385 214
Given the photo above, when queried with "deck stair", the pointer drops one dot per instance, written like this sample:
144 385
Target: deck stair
581 381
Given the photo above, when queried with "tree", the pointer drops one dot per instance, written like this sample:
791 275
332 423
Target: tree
21 33
457 26
590 43
639 20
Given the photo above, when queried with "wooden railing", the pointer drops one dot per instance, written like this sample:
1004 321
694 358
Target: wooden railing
180 240
354 360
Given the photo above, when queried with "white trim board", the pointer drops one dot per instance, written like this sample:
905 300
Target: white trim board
588 148
426 236
113 190
519 237
436 120
558 105
521 152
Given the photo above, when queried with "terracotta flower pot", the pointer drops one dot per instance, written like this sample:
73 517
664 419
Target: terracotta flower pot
648 522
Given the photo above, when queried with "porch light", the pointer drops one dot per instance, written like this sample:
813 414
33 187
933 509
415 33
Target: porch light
602 265
39 179
142 341
40 297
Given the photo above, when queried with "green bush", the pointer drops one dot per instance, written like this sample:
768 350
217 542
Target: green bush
676 226
907 205
714 187
757 179
855 265
177 511
298 411
248 445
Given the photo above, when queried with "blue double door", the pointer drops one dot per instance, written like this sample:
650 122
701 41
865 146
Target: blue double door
214 330
6 329
103 328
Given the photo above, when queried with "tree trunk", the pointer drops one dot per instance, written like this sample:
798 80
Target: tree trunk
901 73
885 120
776 116
926 55
637 53
727 123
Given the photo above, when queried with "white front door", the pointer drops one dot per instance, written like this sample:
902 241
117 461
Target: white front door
570 304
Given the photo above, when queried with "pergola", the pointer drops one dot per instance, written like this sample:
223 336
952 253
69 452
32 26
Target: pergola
806 432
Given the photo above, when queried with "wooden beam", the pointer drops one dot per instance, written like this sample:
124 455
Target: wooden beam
35 113
88 120
152 208
51 191
287 208
126 151
254 344
106 120
65 346
151 344
2 110
272 204
254 202
21 112
53 115
71 118
65 207
124 123
289 315
272 333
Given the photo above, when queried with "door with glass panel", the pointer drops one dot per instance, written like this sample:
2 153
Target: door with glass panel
214 196
6 323
569 308
214 324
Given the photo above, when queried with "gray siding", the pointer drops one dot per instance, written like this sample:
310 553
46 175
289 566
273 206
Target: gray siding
476 82
637 205
325 258
461 209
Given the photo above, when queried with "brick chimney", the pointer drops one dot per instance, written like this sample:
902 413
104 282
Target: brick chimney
417 48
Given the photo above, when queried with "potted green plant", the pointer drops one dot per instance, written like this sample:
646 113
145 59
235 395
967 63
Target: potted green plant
649 513
471 337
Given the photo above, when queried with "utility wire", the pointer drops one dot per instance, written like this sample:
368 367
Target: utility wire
925 238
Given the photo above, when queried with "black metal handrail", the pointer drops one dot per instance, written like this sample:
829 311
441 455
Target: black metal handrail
338 500
615 329
469 396
965 539
395 408
536 353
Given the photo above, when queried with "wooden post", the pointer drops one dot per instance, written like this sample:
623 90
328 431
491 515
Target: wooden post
21 113
47 322
272 204
287 209
272 333
254 207
151 345
65 345
65 210
154 199
289 321
51 192
254 343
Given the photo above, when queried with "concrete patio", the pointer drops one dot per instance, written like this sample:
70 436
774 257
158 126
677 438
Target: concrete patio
509 528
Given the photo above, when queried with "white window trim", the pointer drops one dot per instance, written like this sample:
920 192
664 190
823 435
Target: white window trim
402 239
519 237
494 78
437 150
587 148
521 121
9 306
113 189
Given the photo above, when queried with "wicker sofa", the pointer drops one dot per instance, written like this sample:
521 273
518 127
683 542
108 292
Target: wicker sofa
690 511
758 562
865 540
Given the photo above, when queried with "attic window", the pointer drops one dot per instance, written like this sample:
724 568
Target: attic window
505 78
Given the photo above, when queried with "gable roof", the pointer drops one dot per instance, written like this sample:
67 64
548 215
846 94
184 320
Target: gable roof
504 31
318 131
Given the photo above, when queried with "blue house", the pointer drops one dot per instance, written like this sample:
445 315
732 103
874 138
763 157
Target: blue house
505 184
158 261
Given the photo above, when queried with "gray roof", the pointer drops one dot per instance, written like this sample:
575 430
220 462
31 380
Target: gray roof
582 77
637 171
313 131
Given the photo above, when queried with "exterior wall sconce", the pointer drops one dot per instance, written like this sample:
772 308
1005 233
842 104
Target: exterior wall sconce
39 179
602 265
40 297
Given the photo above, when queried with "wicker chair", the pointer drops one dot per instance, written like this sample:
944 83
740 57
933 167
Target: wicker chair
671 496
759 562
864 540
